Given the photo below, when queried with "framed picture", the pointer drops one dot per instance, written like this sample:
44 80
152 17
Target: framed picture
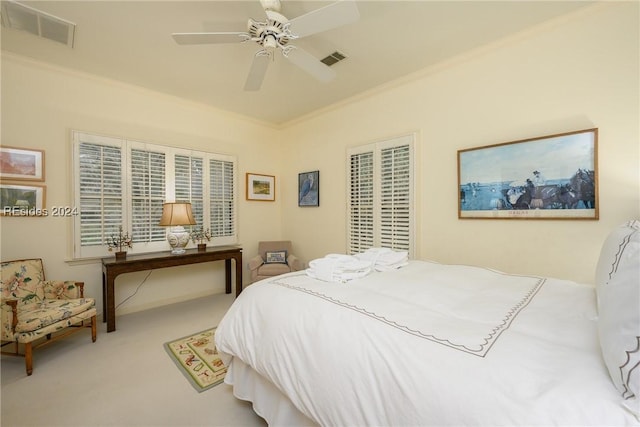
548 177
309 188
21 164
261 187
22 200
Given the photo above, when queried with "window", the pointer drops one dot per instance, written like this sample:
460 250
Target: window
380 199
119 182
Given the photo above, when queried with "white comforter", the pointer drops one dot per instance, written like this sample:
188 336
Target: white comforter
427 344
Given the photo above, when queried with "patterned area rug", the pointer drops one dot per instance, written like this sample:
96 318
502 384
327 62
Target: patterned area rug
198 359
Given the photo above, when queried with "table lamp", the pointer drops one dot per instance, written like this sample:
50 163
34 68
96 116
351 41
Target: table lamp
174 216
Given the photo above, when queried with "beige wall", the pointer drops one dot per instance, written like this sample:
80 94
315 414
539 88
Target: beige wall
41 105
572 74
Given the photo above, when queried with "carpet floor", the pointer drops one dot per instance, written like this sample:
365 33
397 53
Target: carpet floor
123 379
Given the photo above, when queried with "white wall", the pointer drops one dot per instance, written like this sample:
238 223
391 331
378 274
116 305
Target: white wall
41 105
575 73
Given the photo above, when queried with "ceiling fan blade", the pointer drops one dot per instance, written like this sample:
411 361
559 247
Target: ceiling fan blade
311 64
209 38
258 70
326 18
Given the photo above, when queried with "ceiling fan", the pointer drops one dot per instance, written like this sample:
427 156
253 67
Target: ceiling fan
276 33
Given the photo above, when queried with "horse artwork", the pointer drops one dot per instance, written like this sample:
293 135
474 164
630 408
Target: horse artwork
551 177
519 195
576 192
579 188
583 182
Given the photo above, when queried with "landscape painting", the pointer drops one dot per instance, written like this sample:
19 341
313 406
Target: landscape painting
549 177
261 187
21 164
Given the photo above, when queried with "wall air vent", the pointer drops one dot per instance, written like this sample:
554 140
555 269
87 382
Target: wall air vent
20 17
333 58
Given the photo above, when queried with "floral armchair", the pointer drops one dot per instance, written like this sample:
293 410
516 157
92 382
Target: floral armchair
34 308
274 258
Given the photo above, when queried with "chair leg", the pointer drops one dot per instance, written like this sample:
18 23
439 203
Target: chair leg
28 357
94 330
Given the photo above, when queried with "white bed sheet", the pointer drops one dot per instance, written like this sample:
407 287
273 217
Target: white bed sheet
428 344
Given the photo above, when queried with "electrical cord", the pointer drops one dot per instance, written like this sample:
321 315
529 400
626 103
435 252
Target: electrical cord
136 291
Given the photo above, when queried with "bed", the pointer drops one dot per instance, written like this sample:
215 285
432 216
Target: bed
433 344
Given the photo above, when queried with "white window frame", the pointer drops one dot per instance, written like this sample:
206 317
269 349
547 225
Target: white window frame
376 149
95 251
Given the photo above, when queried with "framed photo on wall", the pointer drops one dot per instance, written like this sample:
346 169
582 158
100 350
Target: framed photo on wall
21 164
309 188
548 177
22 200
261 187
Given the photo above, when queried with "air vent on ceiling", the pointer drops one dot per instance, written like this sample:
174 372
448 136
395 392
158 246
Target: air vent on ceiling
41 24
333 58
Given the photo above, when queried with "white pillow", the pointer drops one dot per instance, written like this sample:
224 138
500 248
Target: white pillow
618 290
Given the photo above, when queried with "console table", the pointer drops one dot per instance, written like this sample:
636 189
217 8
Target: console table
111 268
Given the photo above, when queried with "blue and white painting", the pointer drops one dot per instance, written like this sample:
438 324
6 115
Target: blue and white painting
309 189
547 177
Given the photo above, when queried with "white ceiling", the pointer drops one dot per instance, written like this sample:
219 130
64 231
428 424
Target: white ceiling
131 41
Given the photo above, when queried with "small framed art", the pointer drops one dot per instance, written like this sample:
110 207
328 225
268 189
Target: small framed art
261 187
547 177
309 188
21 164
22 200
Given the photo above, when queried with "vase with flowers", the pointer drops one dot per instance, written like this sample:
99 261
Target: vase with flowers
198 236
120 243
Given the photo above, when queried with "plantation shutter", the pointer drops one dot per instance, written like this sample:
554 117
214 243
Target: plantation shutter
381 196
221 200
124 183
189 181
360 236
395 198
147 195
98 192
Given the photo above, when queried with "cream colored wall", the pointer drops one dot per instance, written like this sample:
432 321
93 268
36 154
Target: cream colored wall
571 74
41 105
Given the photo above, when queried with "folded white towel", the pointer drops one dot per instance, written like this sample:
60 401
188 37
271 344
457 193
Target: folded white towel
384 259
338 268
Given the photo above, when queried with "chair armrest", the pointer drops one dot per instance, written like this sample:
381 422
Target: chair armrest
9 316
295 263
255 262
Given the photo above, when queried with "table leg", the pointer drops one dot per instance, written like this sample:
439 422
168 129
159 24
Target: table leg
110 310
104 297
227 276
238 261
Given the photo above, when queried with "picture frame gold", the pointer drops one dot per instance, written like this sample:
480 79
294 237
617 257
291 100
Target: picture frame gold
260 187
547 177
22 200
21 164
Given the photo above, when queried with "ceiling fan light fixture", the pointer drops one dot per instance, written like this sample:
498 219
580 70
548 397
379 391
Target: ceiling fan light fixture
277 32
270 42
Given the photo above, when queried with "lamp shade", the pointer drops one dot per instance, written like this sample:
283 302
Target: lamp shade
176 214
